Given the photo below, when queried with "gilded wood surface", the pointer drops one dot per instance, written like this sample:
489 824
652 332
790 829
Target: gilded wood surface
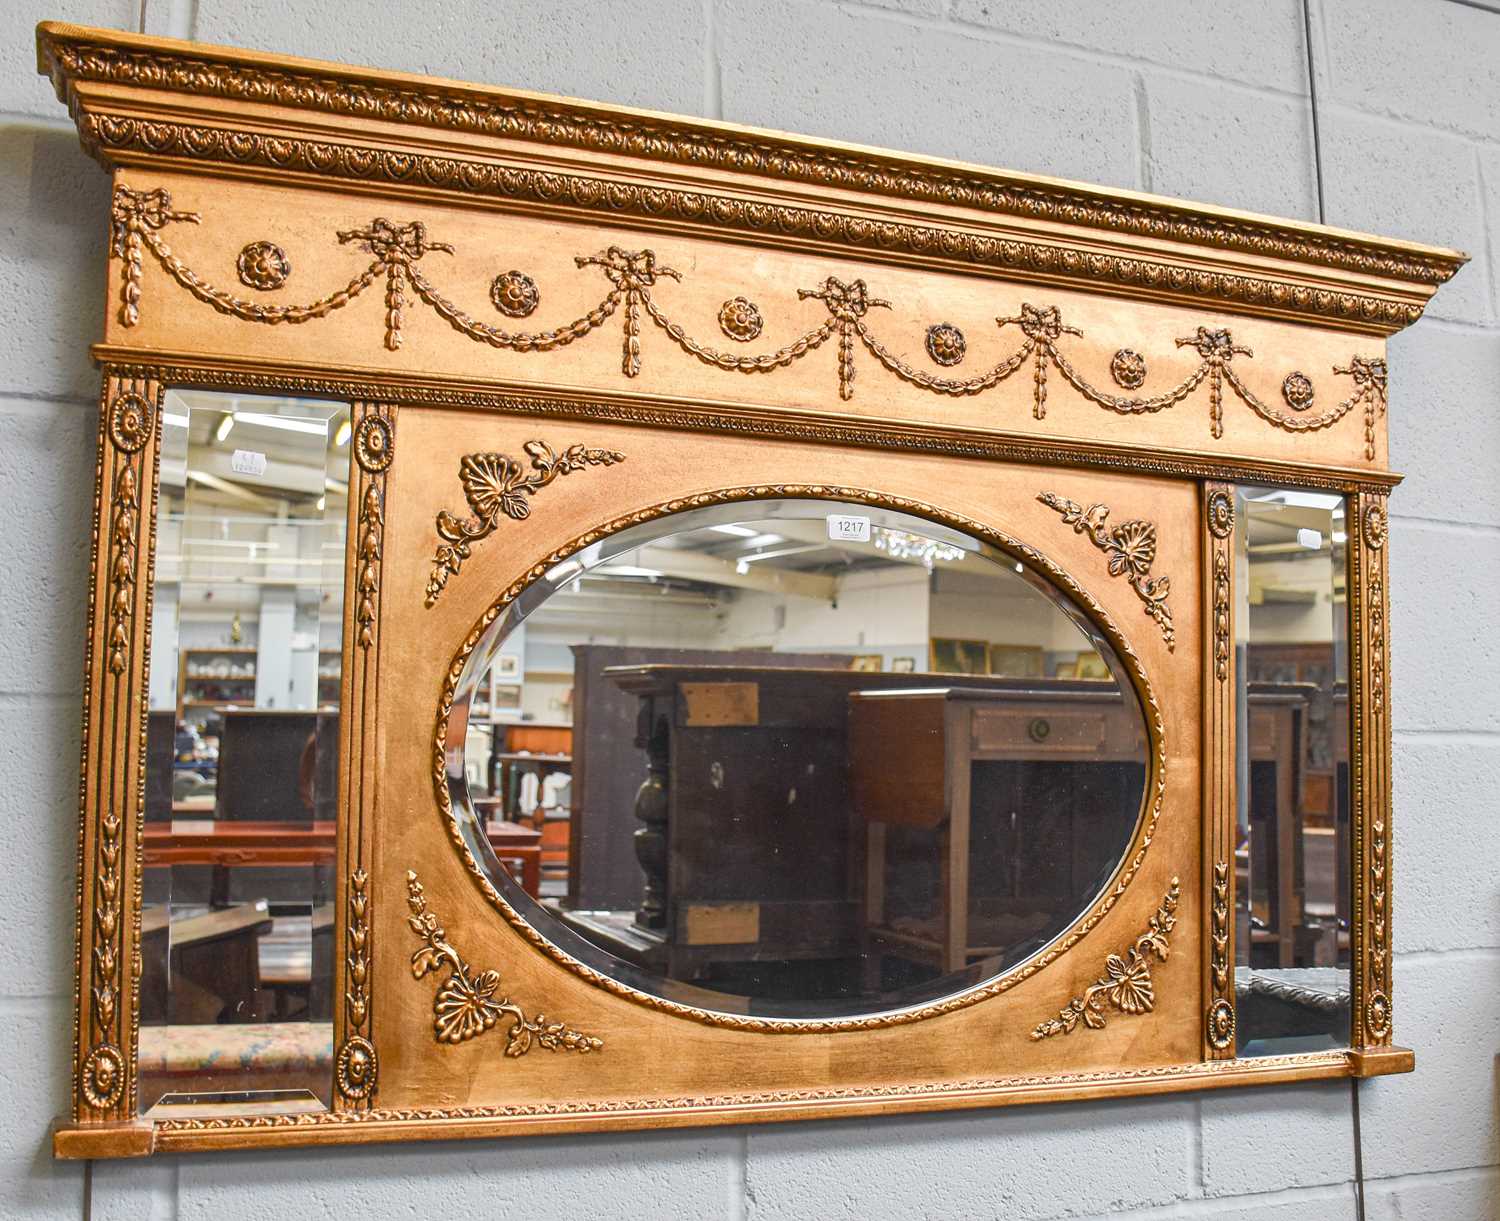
1040 561
685 173
1219 780
946 338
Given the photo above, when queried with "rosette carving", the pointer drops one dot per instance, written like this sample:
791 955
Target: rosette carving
400 255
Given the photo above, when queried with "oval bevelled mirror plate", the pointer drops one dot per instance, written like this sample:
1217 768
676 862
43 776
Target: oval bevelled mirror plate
797 759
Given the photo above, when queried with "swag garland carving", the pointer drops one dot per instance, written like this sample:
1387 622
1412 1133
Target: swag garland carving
1126 983
398 252
1131 547
496 487
467 1005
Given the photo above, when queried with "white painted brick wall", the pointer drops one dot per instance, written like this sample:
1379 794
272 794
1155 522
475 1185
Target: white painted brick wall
1207 101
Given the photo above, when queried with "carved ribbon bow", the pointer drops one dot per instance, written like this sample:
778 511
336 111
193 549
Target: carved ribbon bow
135 210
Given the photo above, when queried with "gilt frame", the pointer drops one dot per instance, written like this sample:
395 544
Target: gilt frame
272 173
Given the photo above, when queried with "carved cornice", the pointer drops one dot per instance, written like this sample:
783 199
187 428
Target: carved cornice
1056 260
70 55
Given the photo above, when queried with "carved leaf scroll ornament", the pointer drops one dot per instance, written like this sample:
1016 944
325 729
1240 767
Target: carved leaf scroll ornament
1131 548
468 1004
1126 983
498 488
399 253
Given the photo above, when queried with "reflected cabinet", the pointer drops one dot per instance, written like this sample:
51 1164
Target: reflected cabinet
603 620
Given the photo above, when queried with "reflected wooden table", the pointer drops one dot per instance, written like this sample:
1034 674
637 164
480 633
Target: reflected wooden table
231 842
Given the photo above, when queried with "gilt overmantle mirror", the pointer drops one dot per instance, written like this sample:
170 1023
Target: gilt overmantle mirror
605 620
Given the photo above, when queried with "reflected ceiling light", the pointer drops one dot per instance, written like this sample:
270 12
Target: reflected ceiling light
763 540
1311 539
1302 500
772 555
286 423
903 545
322 503
737 531
173 420
341 437
224 426
627 570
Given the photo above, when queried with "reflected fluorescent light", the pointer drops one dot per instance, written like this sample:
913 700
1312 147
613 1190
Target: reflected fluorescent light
1340 537
777 554
173 420
279 421
764 540
563 572
627 570
342 436
1311 539
737 531
1302 500
741 567
322 503
224 426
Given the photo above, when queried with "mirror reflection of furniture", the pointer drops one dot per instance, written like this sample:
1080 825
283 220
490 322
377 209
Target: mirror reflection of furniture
204 969
262 762
513 844
752 822
603 872
1032 796
1289 856
161 763
525 760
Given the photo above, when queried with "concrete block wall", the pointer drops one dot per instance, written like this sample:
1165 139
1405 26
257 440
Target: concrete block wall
1209 102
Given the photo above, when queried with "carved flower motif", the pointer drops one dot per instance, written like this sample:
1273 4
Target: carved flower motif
1374 527
464 1010
1221 1024
1378 1015
263 265
1128 368
946 344
357 1068
1132 548
1128 980
1220 514
489 482
103 1077
130 422
515 294
374 443
1297 390
740 319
